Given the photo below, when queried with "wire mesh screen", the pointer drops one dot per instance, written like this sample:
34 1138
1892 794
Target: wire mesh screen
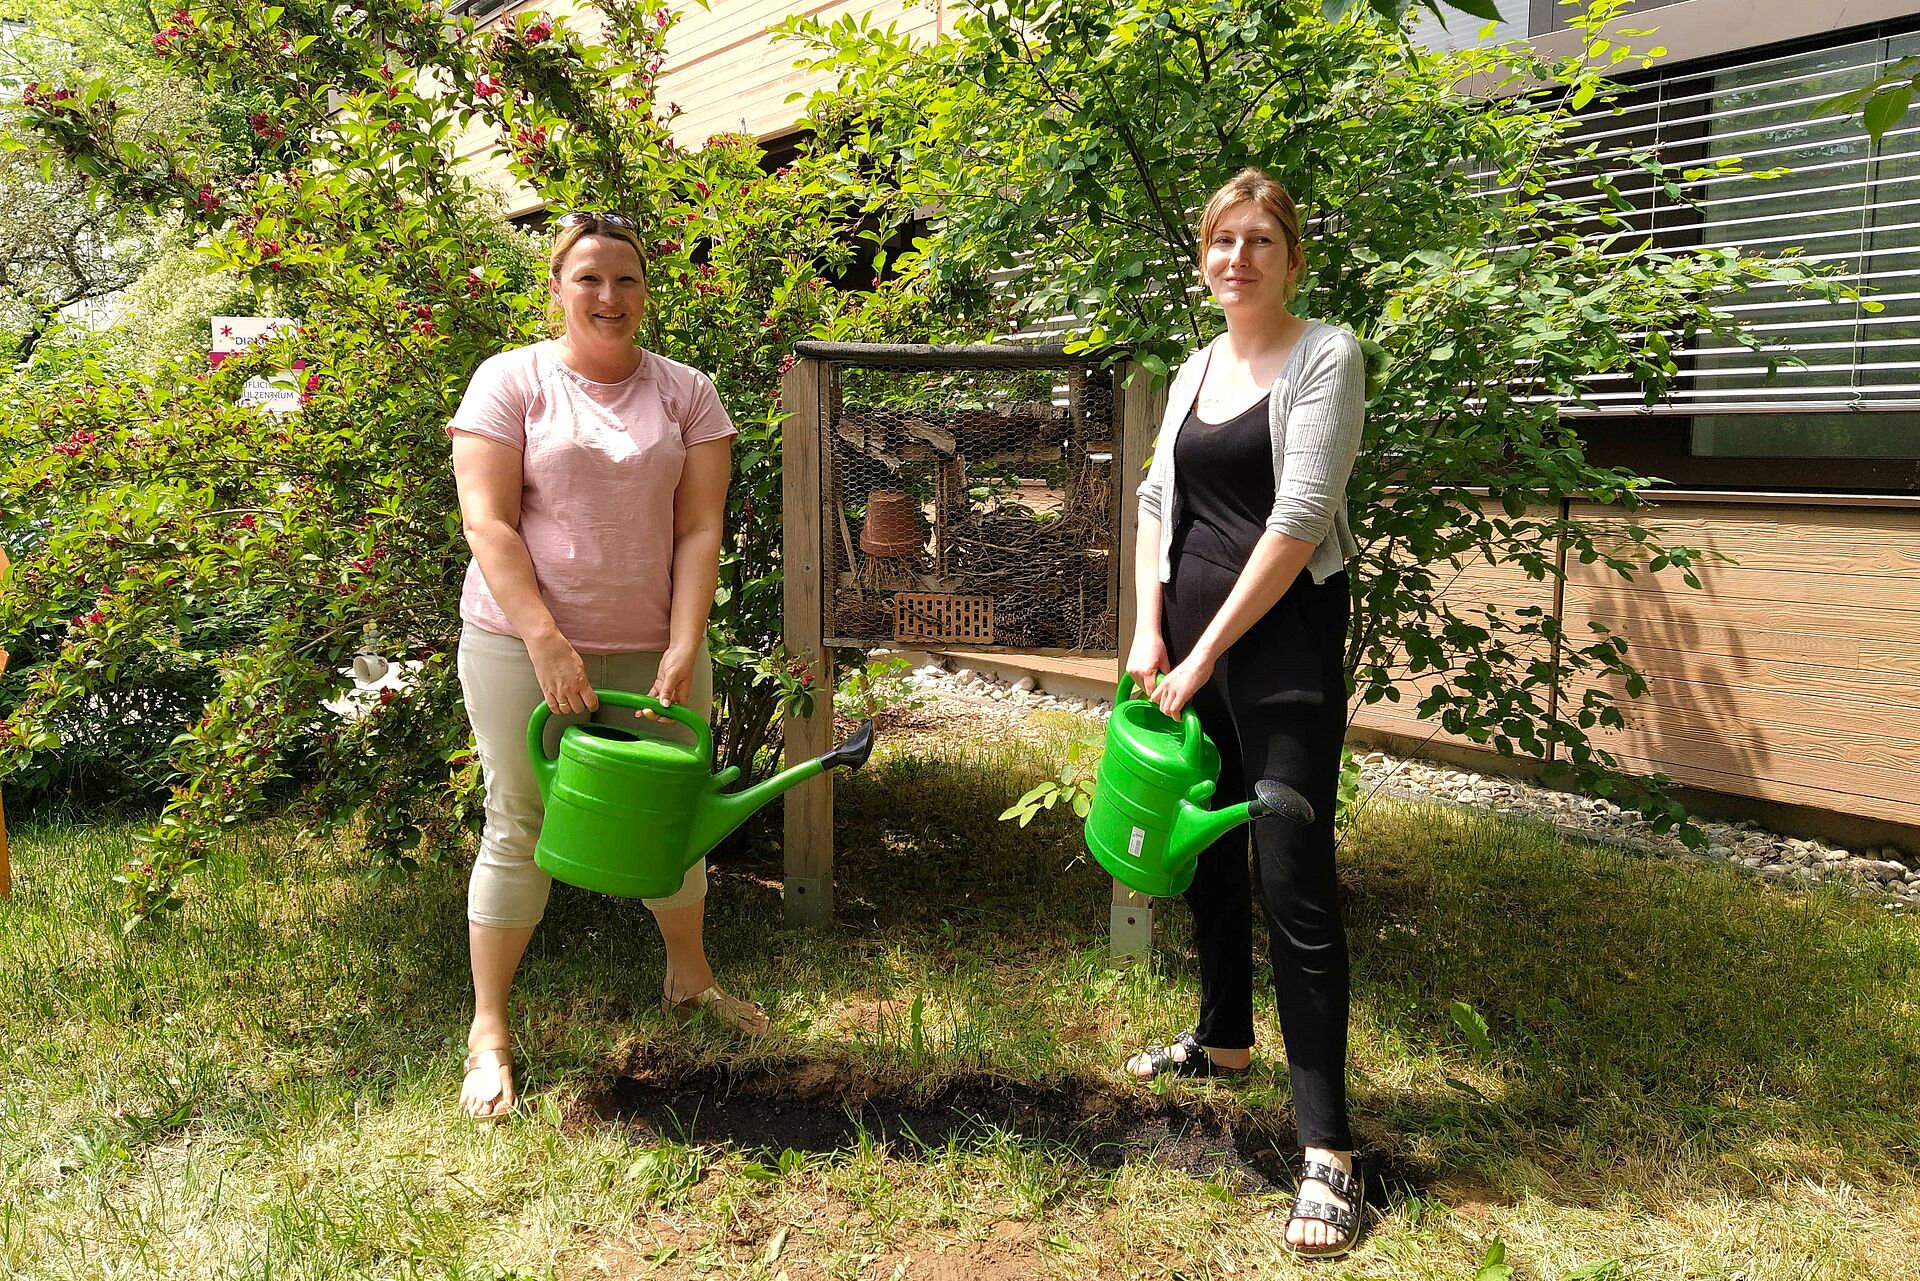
970 505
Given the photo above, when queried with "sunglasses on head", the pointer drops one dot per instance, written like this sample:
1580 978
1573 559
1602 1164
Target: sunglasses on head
582 219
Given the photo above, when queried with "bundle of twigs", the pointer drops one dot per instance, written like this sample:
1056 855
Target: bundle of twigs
1048 577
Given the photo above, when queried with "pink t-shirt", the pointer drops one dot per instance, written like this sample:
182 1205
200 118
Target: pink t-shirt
599 465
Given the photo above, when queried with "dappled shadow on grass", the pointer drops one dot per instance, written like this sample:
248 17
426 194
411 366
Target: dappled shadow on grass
1740 1033
775 1106
1633 1003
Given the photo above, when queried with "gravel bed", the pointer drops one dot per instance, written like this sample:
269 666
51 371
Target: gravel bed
1884 872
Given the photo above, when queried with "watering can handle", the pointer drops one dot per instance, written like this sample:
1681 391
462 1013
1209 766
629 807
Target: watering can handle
702 736
1191 735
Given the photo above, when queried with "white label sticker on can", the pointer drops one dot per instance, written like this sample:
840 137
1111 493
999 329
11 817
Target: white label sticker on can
1136 842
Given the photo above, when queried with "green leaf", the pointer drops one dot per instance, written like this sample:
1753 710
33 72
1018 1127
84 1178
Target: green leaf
1494 1266
1885 109
1470 1023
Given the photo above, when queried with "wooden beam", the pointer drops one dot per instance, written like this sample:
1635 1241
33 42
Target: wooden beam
1140 404
807 847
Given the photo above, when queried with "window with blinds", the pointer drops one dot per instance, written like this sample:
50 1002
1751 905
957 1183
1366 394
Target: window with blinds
1843 202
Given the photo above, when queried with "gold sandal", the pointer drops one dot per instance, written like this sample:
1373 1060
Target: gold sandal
502 1101
721 1006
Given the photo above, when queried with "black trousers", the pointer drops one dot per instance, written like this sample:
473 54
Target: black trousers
1276 708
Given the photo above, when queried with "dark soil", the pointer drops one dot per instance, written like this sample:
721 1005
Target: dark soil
819 1108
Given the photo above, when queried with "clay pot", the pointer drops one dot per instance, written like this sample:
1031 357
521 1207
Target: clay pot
892 528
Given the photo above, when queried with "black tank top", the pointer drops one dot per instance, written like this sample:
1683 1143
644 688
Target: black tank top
1224 473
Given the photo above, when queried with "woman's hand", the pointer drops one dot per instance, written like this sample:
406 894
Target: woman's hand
1182 683
562 674
1147 659
674 681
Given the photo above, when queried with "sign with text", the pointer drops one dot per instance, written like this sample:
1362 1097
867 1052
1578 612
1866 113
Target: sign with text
277 393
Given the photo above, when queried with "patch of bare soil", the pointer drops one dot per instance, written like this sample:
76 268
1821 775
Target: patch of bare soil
816 1107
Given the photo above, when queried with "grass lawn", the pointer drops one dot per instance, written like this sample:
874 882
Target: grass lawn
1684 1073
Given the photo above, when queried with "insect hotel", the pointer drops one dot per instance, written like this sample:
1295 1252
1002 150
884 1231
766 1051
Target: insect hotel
977 497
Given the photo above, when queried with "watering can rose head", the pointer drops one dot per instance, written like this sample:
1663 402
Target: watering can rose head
628 813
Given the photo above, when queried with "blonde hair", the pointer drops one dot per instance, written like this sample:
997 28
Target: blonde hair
1255 184
563 244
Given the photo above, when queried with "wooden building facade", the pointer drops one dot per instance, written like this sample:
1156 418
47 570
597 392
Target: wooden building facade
1791 680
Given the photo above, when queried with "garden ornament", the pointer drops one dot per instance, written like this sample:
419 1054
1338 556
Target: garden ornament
1148 823
628 813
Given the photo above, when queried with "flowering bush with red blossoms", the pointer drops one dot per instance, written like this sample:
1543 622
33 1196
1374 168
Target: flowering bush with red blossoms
140 509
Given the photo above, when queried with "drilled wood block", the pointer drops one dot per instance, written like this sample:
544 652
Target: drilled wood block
943 617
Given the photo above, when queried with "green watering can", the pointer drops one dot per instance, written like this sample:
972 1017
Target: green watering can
628 813
1148 825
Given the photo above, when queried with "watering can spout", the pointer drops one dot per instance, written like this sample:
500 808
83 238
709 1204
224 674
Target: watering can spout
854 752
1273 797
1194 829
726 811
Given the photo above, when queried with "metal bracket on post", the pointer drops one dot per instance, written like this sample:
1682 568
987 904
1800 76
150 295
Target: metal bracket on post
808 899
1130 927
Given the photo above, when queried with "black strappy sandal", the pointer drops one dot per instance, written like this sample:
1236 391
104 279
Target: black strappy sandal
1346 1217
1194 1061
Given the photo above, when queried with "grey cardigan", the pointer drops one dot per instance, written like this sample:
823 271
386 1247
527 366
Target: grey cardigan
1315 413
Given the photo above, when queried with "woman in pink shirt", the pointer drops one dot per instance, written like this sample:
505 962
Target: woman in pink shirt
593 480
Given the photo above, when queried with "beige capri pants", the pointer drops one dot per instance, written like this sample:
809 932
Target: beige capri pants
506 890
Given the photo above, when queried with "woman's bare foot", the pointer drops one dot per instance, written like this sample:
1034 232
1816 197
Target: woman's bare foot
720 1005
1150 1063
487 1092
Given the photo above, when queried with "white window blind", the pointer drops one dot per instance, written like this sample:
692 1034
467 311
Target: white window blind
1846 204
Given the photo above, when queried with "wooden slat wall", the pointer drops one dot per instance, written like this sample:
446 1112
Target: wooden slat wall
1794 674
728 75
724 71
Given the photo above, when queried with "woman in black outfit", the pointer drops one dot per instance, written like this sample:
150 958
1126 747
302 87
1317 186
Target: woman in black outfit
1242 608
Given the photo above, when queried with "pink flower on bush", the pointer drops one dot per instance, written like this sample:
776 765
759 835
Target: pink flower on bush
539 31
205 198
36 95
89 619
245 522
76 444
486 86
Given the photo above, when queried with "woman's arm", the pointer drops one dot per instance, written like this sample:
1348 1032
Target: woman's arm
1276 561
487 474
1147 656
699 515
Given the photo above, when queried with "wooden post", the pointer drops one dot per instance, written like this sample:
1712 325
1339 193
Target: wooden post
1140 404
808 842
